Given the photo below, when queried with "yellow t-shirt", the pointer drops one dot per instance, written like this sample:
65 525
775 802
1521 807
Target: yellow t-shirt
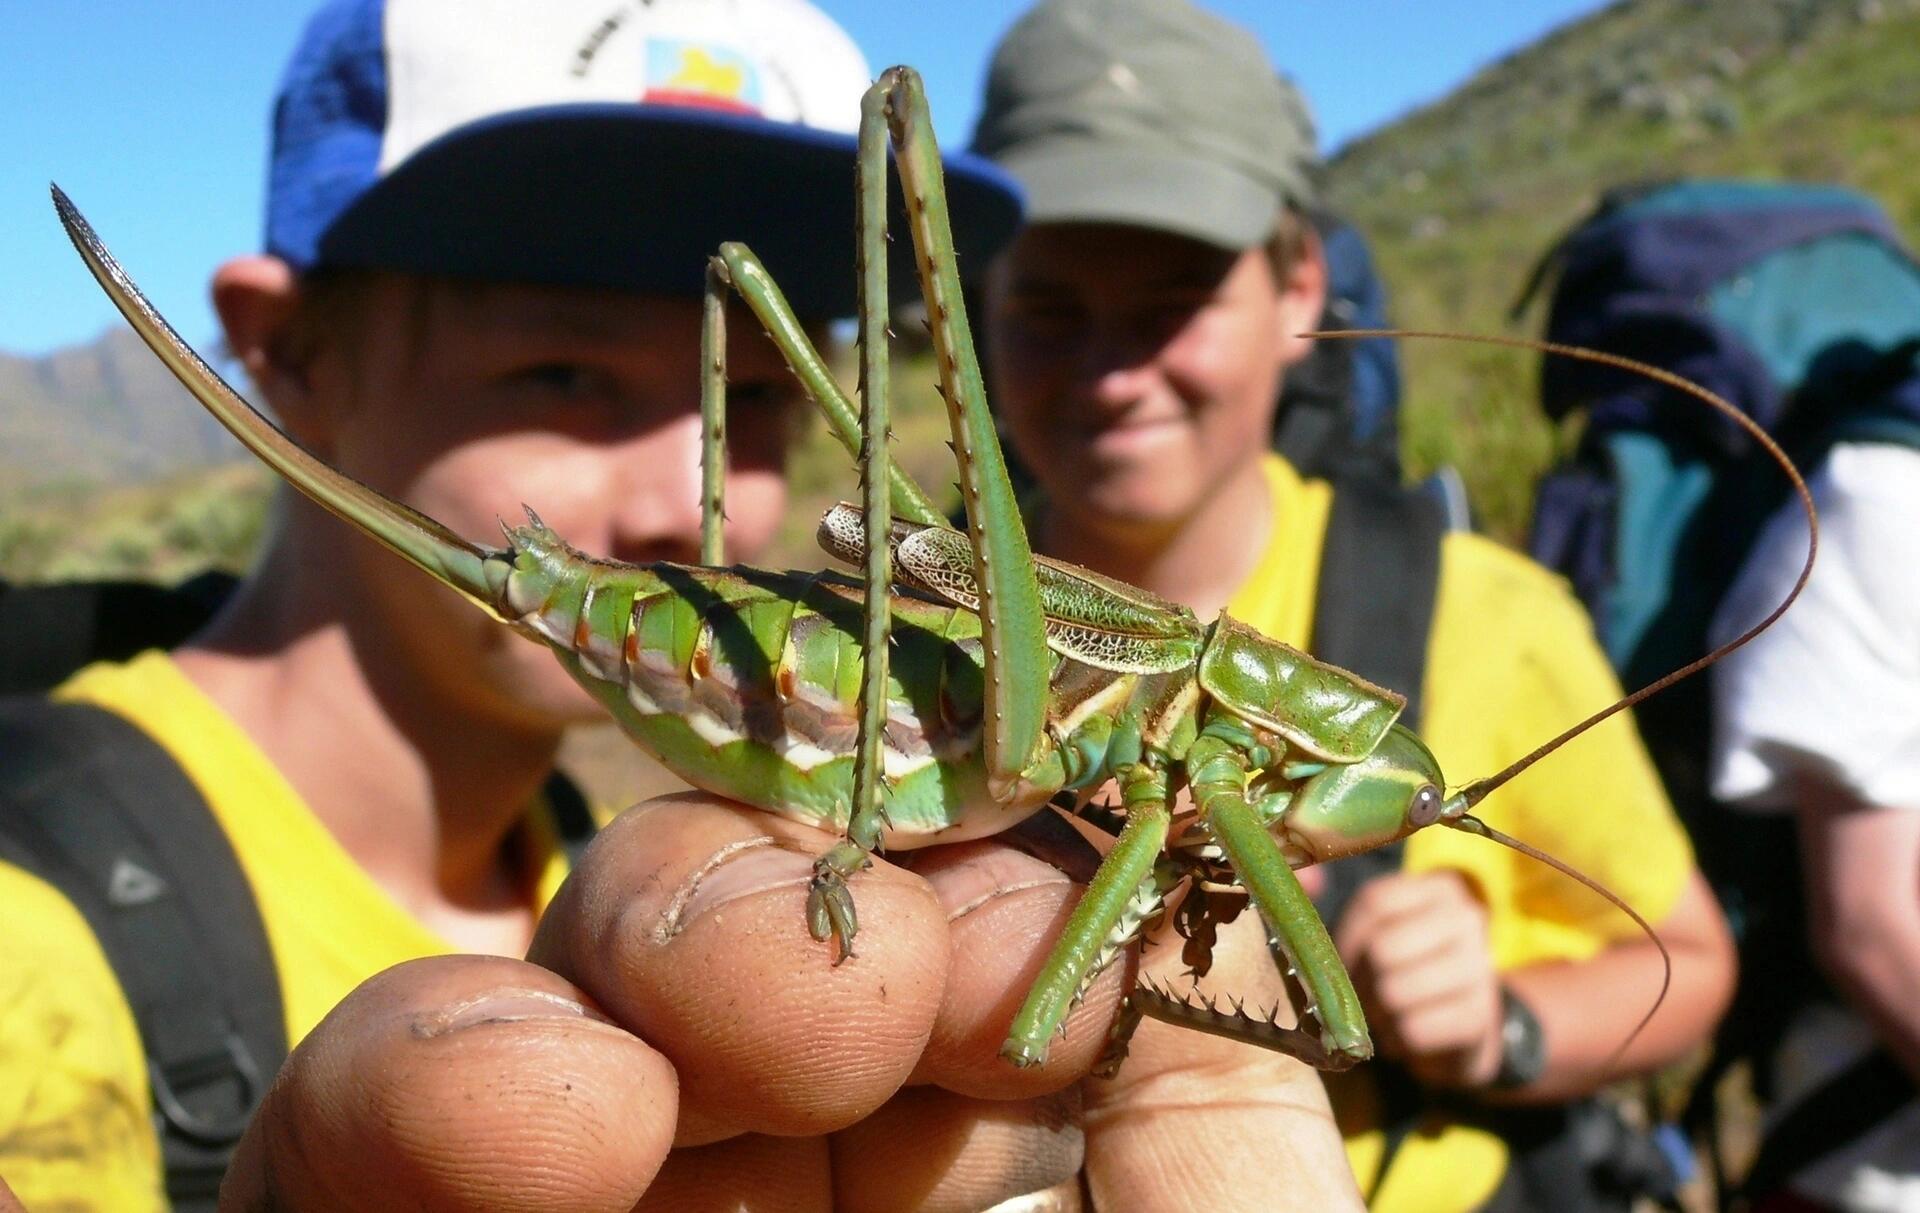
75 1131
1511 661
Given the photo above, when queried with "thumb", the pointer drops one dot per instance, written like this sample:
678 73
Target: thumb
455 1083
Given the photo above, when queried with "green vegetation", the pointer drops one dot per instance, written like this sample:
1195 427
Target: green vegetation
1460 198
164 531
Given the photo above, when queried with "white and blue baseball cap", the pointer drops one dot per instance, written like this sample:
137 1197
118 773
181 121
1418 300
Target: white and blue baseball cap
610 143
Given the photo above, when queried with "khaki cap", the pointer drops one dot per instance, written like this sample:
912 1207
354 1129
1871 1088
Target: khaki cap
1153 113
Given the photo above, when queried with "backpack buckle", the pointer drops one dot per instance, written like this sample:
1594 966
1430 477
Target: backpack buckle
189 1082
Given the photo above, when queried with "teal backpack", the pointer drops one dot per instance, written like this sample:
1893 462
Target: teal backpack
1798 303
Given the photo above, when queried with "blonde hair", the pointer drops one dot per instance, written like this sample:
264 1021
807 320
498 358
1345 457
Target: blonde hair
1289 242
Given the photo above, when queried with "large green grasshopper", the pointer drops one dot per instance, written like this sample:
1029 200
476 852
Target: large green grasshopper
961 683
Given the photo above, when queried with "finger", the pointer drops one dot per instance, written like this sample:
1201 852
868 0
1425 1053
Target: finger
1196 1122
1005 911
1459 973
459 1082
1244 970
1456 1043
1199 1122
1411 906
1444 1025
935 1151
1407 894
1437 1008
763 1174
686 921
1448 930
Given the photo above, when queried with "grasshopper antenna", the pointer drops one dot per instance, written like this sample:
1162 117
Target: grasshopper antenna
1457 813
1473 825
1480 789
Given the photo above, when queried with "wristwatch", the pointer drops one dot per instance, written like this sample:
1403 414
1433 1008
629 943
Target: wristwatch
1523 1046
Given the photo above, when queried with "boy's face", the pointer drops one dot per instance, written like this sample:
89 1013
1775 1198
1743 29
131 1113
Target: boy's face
1135 369
466 402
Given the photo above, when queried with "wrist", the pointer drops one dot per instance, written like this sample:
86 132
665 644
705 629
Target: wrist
1523 1045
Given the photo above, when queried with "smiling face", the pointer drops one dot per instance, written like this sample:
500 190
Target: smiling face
467 401
1137 370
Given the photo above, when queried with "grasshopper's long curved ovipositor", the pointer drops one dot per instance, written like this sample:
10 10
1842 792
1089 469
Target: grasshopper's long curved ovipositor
960 683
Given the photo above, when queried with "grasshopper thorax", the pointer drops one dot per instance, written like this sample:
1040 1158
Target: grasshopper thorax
1320 710
1352 807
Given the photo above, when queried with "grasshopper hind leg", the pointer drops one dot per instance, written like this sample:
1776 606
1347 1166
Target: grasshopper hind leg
713 414
830 912
829 901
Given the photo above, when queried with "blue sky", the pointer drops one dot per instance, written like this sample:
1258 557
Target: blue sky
153 116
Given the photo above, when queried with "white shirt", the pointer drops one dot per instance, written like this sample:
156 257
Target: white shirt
1834 686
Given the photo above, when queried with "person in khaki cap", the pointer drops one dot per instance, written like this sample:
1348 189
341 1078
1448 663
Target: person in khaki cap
1139 329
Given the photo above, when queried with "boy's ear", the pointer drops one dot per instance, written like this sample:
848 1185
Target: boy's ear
258 298
1303 297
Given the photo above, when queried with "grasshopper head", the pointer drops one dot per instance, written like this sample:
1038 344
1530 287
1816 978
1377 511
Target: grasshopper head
1353 807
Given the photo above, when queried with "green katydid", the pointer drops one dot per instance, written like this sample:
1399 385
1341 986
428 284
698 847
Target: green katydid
961 683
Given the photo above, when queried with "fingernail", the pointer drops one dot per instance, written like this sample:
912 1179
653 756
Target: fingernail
742 869
987 874
504 1006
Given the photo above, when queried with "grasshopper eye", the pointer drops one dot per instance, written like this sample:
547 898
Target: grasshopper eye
1424 808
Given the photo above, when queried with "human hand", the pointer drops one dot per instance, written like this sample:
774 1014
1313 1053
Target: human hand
1417 947
677 1041
1194 1121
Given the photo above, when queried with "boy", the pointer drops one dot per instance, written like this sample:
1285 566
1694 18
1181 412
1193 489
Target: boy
1139 328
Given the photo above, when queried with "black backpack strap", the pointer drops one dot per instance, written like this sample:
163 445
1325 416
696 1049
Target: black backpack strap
572 819
94 806
1841 1109
1372 614
1379 579
75 622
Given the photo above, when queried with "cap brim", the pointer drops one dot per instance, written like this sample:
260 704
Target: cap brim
637 198
1187 196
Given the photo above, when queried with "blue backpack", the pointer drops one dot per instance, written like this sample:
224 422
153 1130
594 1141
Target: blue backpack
1796 302
1800 305
1339 408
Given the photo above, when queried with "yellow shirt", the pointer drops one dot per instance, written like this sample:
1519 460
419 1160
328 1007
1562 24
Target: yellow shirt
1511 661
74 1102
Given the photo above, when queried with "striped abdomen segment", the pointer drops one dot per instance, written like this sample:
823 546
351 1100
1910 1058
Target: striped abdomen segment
746 683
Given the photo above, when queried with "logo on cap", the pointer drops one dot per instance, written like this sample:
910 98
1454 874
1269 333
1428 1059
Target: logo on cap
701 74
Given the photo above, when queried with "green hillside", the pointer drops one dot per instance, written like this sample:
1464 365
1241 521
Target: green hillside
1461 197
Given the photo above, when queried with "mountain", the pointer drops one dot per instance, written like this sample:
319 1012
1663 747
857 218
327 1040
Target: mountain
1461 197
104 413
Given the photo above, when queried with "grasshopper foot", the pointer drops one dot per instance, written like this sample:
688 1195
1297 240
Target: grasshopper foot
1024 1053
1118 1039
829 900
